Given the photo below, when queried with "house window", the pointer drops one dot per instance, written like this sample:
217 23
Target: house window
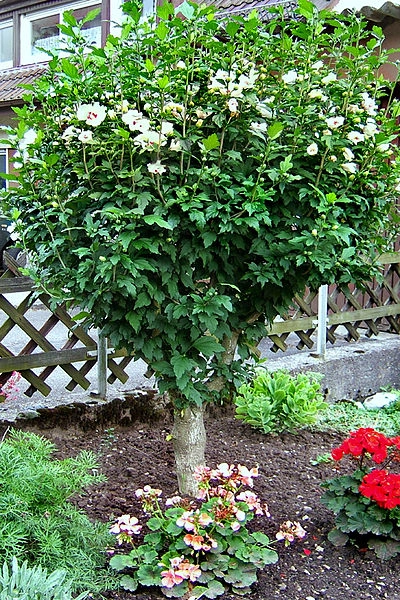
3 167
40 32
6 45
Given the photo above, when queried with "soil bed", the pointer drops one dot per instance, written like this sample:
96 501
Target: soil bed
137 454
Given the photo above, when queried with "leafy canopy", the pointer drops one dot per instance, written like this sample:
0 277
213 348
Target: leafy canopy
184 182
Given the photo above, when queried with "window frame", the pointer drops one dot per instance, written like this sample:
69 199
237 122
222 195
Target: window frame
26 19
8 64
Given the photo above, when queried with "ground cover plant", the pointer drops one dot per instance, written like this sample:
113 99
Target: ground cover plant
185 182
38 524
345 416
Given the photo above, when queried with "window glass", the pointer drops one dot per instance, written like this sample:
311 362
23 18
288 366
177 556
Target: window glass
45 34
6 45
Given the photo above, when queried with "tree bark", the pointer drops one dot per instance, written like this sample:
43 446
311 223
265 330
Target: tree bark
189 440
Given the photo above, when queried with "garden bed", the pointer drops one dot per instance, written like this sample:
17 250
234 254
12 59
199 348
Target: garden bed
138 453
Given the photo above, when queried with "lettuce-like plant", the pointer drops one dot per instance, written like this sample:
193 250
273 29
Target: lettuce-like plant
366 501
277 401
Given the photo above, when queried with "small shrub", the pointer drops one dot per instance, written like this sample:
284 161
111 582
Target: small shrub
25 583
278 401
366 501
201 547
37 523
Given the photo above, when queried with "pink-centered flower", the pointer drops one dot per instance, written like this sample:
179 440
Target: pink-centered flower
204 519
197 542
170 578
156 168
86 137
335 122
135 121
93 114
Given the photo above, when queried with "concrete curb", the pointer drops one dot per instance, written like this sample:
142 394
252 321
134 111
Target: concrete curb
350 372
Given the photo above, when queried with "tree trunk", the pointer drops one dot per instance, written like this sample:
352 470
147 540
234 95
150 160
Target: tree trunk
189 439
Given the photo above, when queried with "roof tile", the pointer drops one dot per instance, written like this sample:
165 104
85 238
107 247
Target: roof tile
12 79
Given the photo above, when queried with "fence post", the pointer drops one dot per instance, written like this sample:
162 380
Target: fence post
322 320
102 366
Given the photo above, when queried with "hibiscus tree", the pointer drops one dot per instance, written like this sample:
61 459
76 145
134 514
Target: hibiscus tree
185 182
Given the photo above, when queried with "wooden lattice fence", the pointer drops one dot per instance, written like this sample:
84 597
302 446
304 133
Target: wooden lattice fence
369 310
39 353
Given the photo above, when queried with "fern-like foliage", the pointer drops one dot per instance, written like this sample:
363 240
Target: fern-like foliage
38 523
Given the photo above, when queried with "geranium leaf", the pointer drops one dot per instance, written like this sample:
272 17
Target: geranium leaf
338 538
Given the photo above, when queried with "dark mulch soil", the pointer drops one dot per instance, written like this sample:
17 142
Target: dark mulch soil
311 569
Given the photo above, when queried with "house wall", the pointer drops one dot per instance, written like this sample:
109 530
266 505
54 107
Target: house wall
392 40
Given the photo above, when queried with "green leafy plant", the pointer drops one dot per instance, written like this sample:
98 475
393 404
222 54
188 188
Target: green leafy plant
37 523
366 501
34 583
200 547
185 182
277 401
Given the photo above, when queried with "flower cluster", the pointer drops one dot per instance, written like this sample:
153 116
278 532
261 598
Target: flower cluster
191 538
365 441
289 531
9 391
180 569
382 487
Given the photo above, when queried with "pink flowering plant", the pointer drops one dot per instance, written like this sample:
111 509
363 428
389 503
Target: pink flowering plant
366 500
9 390
202 546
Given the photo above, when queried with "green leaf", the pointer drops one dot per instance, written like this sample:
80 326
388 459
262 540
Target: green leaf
162 32
157 220
384 549
211 142
261 538
92 14
163 82
128 583
208 346
338 538
149 575
119 562
134 320
68 17
51 159
306 9
232 28
275 130
182 365
69 69
186 9
149 65
165 10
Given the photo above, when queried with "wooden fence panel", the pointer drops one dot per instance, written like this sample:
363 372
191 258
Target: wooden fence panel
373 309
39 352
